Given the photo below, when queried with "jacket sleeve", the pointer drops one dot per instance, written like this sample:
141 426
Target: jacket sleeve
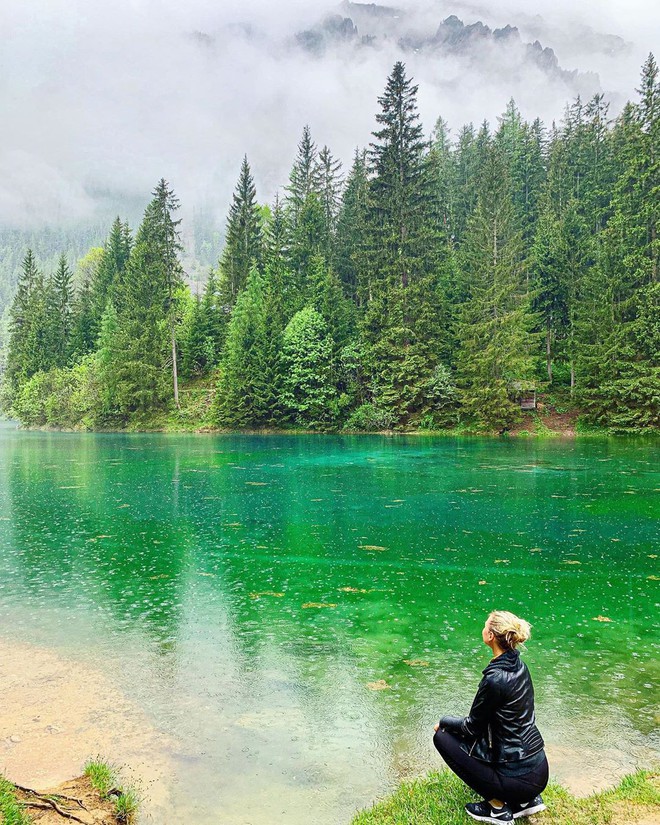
483 707
451 723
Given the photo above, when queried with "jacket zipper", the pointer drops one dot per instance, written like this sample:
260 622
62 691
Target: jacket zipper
490 742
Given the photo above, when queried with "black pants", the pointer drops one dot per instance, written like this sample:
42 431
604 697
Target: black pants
484 779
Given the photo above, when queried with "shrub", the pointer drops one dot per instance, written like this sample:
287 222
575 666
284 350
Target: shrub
369 418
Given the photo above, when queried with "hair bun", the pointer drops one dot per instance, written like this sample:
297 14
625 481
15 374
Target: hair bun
509 630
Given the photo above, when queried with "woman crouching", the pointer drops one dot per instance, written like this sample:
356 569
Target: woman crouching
497 749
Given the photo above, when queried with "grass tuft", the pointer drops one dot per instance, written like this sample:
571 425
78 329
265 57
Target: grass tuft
439 800
103 778
11 812
101 775
126 806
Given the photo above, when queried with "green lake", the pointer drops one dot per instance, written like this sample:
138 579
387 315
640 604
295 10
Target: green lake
251 594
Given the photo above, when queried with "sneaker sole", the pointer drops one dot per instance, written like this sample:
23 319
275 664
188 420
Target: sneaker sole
529 811
487 818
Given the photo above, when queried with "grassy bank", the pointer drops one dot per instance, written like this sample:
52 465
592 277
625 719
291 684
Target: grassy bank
439 800
96 794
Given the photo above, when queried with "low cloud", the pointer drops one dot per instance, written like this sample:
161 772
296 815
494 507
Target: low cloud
102 99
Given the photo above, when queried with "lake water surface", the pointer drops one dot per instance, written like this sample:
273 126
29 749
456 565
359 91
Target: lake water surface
249 595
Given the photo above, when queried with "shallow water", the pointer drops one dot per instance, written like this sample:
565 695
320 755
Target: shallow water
246 595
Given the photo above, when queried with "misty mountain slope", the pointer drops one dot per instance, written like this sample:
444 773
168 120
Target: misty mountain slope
184 91
477 46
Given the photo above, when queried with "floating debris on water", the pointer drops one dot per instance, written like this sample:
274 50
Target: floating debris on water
381 684
377 547
274 593
601 619
317 605
415 663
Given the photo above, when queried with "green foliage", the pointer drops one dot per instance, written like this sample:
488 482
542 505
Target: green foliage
309 395
10 810
439 799
103 778
432 287
100 774
243 247
146 300
495 321
126 807
248 372
63 397
369 418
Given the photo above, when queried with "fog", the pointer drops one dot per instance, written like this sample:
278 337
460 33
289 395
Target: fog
101 99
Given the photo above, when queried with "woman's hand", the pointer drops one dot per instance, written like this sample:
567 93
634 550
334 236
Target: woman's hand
435 727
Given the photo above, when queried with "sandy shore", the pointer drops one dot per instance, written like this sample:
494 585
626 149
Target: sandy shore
56 713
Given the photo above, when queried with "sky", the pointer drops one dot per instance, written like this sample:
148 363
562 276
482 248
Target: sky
100 99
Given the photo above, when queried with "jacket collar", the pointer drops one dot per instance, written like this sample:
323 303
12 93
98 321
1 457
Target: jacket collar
509 661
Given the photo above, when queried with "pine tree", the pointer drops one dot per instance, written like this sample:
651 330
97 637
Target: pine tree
192 340
20 357
245 391
243 245
329 301
84 329
110 269
467 176
619 362
444 173
353 232
285 292
61 290
215 320
304 178
330 187
405 321
108 362
496 345
146 302
305 211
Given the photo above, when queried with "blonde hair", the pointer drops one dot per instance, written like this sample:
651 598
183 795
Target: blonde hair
508 629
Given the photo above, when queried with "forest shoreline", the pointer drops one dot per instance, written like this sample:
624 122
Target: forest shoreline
543 423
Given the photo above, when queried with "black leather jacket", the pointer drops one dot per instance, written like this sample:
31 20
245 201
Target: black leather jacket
501 725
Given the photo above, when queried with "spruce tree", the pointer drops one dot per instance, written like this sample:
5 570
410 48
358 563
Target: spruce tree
243 244
110 269
330 189
20 357
353 232
305 211
214 319
405 321
619 363
495 358
146 303
61 289
245 390
467 177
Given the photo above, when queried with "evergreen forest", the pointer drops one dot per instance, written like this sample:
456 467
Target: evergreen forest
432 285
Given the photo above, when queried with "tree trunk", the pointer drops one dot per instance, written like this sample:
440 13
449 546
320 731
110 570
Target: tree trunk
548 353
175 376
